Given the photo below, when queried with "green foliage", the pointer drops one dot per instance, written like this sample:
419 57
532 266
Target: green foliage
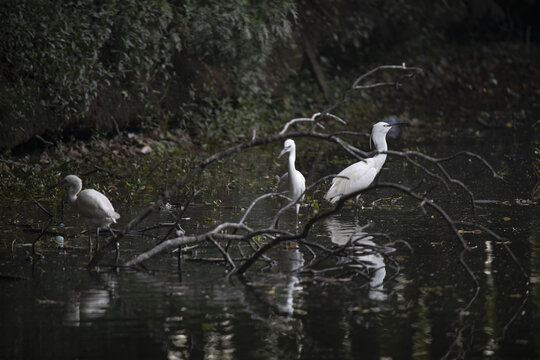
56 57
229 119
236 37
234 33
60 54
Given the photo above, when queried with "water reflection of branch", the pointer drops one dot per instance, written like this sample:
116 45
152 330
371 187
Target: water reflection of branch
503 241
500 239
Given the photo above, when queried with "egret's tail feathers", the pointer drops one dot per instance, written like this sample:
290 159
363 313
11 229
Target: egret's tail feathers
332 196
333 199
115 216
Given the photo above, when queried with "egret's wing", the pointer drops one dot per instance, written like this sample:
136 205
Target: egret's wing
356 177
302 180
300 184
94 205
283 183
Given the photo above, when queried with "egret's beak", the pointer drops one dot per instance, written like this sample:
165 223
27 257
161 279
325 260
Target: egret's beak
285 150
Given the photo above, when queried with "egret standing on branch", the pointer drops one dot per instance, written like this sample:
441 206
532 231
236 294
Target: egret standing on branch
93 206
293 181
360 175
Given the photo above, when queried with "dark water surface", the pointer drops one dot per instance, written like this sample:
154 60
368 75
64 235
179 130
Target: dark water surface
55 308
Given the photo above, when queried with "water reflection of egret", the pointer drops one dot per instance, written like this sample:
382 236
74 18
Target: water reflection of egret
93 206
91 303
360 175
343 232
86 306
293 182
290 260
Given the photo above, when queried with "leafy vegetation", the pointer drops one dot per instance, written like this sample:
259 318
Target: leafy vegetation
216 69
57 58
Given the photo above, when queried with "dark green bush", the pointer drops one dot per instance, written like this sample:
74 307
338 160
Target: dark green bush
56 57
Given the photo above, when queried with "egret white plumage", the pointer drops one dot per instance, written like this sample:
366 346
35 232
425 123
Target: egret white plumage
293 182
93 206
360 175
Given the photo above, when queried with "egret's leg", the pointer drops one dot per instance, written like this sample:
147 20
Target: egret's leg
297 211
357 200
89 240
117 246
97 238
117 253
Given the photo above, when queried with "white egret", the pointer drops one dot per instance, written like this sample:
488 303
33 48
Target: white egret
93 206
293 182
360 175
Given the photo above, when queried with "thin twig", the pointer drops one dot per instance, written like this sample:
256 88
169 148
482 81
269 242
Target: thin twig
43 208
223 252
179 217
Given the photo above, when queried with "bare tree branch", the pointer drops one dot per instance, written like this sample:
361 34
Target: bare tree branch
222 251
293 121
337 207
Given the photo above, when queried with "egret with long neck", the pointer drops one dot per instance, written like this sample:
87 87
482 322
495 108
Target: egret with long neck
360 175
93 206
293 181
